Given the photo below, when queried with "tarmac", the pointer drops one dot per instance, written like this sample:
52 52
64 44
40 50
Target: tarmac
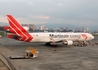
49 58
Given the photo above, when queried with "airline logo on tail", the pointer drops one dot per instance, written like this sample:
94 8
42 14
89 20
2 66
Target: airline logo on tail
18 30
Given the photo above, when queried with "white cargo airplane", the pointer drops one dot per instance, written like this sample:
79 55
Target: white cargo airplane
19 33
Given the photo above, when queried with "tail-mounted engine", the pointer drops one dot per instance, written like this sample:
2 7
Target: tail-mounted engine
8 29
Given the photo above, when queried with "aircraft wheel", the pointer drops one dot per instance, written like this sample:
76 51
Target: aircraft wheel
54 45
48 44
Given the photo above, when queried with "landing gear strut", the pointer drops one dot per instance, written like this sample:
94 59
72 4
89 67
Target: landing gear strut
53 45
48 44
84 43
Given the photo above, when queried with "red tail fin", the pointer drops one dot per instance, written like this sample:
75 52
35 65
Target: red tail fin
17 29
14 25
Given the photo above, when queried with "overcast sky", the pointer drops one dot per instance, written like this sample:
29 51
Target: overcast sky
72 12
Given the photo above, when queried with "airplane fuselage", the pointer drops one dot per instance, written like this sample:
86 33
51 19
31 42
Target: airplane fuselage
46 37
20 33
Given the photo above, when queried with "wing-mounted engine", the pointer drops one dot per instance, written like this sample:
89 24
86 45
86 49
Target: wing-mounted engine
14 36
67 42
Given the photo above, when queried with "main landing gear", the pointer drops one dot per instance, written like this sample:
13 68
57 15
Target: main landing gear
51 44
84 43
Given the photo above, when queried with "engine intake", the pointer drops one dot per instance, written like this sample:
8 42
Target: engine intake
68 42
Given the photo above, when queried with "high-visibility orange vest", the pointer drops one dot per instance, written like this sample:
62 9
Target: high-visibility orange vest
34 51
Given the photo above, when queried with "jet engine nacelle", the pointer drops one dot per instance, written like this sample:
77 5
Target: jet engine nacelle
26 28
68 42
7 28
